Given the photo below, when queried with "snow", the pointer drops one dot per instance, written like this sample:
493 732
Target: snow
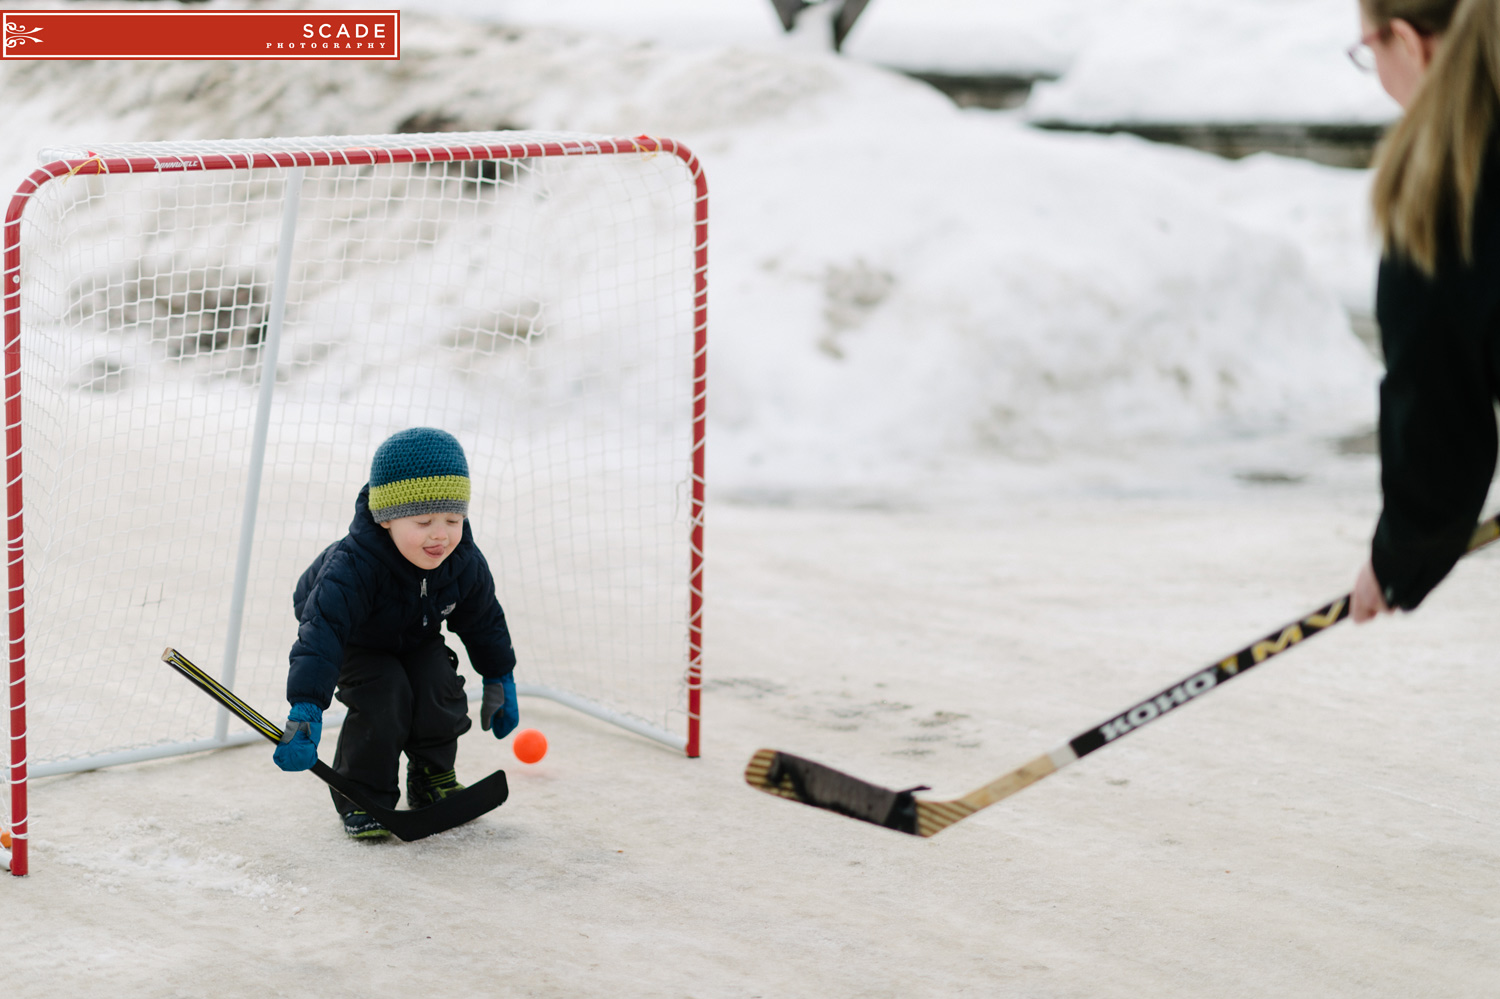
1008 429
1241 61
1057 293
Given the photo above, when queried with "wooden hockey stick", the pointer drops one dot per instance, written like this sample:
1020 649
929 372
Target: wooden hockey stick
812 783
407 824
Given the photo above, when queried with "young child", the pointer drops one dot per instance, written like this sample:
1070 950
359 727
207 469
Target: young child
369 610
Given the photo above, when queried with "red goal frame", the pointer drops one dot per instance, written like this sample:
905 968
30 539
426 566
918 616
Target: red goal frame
307 155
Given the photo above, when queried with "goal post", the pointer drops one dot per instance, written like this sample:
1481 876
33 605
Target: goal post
204 344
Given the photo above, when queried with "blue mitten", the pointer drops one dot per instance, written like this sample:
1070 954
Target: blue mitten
299 742
499 709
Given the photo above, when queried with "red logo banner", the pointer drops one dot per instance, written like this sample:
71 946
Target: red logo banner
202 34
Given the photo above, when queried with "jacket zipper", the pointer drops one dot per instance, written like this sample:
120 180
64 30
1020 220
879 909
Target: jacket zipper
424 601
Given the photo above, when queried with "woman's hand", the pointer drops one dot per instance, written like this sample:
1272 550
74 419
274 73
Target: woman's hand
1367 600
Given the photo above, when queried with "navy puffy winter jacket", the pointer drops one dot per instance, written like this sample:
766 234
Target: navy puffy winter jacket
362 591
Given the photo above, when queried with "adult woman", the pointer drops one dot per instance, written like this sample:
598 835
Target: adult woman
1437 207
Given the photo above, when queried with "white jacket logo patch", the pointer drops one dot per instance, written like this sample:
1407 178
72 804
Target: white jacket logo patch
448 610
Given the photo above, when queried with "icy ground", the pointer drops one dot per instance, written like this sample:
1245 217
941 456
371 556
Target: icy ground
1323 827
1008 431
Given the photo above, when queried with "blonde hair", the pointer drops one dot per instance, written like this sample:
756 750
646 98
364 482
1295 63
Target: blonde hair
1427 168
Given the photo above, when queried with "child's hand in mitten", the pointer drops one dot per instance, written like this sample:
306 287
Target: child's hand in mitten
499 710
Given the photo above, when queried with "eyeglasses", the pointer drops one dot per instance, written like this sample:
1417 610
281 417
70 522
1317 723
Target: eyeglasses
1360 52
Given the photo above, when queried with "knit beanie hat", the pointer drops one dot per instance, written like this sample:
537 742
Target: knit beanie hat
418 471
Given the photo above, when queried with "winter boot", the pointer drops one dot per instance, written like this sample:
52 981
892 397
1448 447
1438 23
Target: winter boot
359 825
425 786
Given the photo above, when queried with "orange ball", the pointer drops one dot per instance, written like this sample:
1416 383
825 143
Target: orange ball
529 745
4 839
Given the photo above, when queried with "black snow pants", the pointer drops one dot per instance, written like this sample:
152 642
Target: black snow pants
410 703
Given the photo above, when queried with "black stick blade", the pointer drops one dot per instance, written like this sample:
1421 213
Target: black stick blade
419 823
798 779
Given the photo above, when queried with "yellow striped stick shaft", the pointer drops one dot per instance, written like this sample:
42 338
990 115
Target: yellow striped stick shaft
213 688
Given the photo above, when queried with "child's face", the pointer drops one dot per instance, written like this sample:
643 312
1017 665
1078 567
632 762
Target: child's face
427 539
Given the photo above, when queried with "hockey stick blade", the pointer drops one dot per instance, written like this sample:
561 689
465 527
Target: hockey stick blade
824 787
811 783
419 823
406 824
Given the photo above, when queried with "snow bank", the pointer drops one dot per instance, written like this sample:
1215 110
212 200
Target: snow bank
1120 60
892 281
1237 61
978 37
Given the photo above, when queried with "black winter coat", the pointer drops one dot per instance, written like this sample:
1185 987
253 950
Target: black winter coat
1437 404
362 591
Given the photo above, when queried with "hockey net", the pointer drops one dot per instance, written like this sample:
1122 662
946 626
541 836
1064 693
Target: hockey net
540 296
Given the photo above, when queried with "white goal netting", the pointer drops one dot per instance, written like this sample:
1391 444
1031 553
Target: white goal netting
538 296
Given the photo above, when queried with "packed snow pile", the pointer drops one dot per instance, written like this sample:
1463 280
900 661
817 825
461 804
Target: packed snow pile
1239 61
892 280
953 37
1160 61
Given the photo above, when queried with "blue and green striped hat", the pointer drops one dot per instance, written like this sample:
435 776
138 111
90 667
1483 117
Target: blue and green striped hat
418 471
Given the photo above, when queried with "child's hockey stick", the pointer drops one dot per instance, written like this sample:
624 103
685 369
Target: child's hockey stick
812 783
408 824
